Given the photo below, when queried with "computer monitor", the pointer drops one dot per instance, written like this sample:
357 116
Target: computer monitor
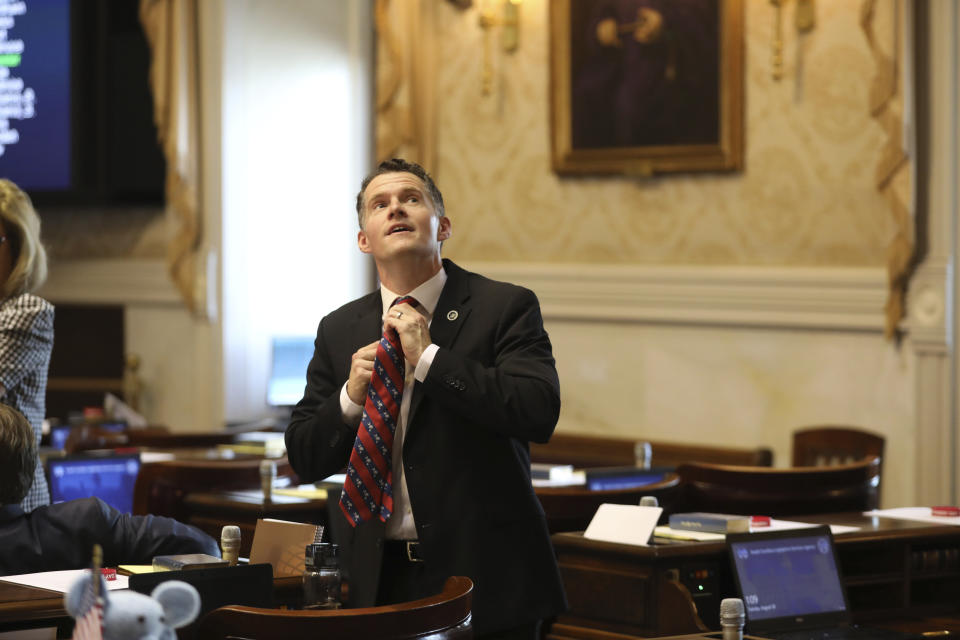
110 477
58 436
288 370
59 433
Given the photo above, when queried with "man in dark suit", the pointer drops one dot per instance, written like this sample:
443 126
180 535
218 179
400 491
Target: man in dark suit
480 384
61 536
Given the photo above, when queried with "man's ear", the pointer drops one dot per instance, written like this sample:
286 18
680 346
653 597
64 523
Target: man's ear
444 229
362 241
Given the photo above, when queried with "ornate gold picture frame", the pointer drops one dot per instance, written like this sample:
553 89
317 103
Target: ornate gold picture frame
642 87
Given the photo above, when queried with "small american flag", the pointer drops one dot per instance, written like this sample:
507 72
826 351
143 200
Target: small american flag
90 625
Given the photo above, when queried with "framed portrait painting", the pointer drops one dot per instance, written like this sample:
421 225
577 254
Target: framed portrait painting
646 86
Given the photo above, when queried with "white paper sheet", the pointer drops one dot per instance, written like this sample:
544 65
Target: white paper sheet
61 580
623 523
575 479
921 514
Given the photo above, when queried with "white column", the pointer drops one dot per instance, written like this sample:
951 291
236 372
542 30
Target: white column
932 290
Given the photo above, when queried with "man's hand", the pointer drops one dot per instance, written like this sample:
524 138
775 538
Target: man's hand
412 328
361 368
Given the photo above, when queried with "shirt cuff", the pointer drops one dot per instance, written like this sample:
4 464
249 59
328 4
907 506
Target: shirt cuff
350 410
423 364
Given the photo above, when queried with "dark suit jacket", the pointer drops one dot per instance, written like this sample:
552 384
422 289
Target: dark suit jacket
491 389
61 536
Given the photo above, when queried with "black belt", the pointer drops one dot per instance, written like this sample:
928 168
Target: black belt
407 549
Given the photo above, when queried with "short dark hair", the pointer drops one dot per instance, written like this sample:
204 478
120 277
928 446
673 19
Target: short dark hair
18 455
399 165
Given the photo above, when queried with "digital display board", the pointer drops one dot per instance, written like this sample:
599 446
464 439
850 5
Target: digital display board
35 94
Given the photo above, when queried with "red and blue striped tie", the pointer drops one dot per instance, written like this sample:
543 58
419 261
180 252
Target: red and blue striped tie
367 491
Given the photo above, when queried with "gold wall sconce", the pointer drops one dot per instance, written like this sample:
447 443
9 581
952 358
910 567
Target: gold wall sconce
804 21
506 15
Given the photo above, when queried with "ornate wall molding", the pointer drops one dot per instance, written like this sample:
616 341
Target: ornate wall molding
849 299
126 282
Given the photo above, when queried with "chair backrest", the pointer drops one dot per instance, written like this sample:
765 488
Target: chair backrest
830 445
572 508
583 451
780 492
445 616
161 486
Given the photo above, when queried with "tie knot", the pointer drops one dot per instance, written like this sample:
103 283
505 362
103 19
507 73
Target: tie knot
410 300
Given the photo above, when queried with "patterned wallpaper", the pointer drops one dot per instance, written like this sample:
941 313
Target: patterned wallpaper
805 197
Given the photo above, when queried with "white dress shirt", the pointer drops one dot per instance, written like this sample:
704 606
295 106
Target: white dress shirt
401 525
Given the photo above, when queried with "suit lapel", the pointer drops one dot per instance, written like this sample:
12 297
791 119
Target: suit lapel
369 322
451 313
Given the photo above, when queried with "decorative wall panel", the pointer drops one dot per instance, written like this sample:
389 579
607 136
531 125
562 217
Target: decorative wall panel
806 196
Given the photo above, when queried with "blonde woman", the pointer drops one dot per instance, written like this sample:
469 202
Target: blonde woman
26 321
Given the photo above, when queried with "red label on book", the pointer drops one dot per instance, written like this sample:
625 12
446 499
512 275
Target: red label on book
949 512
109 574
759 521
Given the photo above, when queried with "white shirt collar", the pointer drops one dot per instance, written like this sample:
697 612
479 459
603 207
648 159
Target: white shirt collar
427 294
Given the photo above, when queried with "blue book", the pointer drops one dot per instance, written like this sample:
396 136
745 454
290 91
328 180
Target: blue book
712 522
606 478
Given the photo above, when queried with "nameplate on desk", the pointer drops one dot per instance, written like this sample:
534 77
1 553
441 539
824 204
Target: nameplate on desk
623 523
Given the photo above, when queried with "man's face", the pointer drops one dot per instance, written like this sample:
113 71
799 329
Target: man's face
399 218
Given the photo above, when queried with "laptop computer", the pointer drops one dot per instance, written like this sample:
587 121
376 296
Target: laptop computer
108 476
791 586
290 356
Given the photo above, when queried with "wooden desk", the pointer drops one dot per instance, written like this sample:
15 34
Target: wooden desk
210 511
24 607
904 573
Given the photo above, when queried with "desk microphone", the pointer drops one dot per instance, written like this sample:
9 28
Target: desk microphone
230 544
731 618
268 473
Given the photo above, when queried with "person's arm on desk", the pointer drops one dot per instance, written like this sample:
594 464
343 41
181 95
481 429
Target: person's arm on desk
129 539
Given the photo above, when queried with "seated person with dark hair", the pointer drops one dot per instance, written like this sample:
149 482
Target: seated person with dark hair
61 536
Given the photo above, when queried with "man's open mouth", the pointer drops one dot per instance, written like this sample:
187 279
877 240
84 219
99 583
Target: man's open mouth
399 228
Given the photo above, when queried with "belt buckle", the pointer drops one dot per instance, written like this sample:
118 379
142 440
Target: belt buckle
412 546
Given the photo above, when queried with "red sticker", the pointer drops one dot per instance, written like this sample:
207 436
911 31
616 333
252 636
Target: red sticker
949 512
759 521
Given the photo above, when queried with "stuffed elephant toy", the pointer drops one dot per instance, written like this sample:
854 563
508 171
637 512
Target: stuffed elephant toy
128 615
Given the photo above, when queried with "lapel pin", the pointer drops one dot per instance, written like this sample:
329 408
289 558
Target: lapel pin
452 315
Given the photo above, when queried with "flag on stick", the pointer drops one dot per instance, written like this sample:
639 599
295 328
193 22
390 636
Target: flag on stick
90 623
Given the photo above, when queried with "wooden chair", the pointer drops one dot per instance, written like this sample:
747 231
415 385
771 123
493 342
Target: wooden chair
572 508
161 486
830 445
445 616
584 451
780 492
